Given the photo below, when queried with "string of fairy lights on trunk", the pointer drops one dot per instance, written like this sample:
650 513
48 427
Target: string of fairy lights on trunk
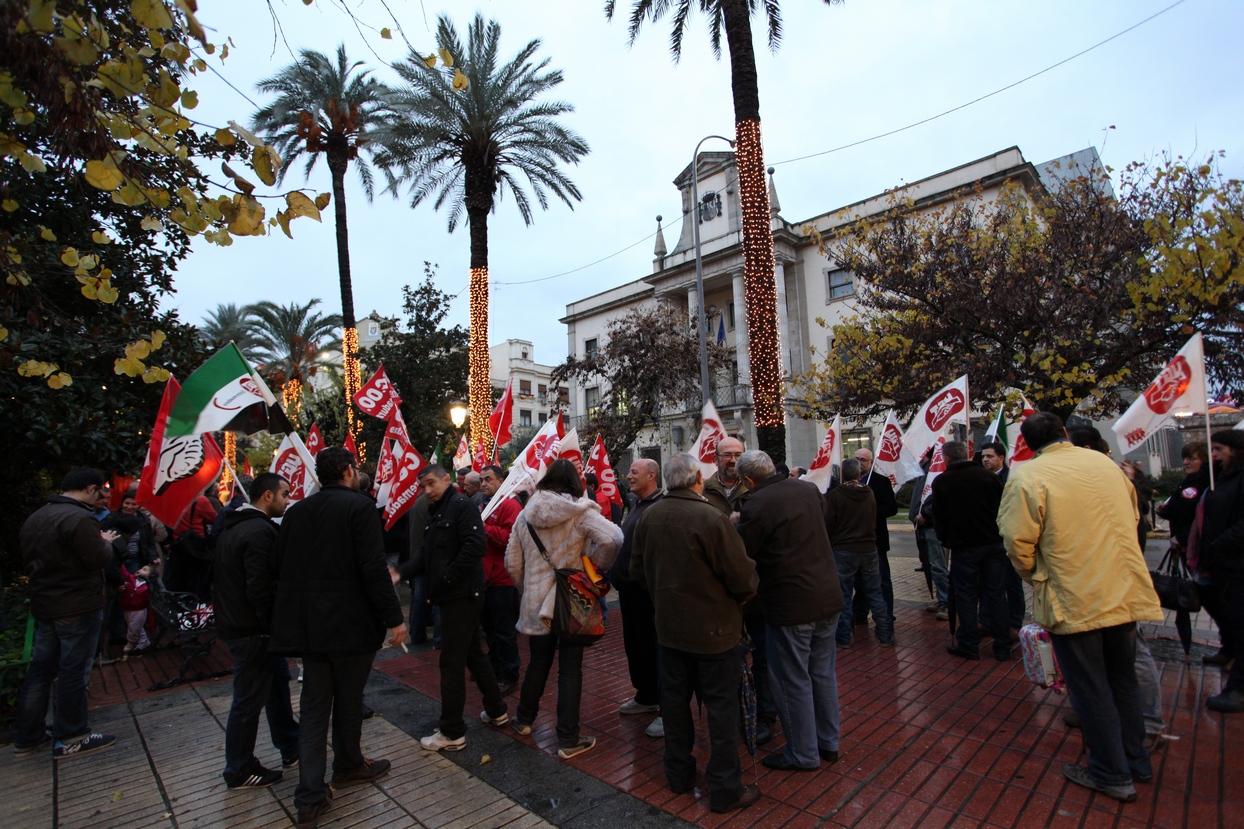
225 488
763 347
291 396
479 382
353 379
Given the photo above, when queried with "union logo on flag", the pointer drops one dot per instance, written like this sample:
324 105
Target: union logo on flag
948 404
1170 385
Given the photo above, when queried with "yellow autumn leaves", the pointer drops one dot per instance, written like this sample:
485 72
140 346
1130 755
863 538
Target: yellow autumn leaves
460 81
132 365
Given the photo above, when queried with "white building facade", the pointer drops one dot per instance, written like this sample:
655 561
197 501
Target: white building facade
535 399
810 286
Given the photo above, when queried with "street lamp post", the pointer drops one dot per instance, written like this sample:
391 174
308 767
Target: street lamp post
457 413
699 266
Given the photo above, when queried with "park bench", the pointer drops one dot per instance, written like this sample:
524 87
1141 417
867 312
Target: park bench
192 625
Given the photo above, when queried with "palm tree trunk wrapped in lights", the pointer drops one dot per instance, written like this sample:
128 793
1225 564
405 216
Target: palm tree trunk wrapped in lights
291 396
466 133
479 381
734 18
225 489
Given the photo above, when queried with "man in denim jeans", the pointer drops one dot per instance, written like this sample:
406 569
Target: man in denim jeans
1068 519
851 523
783 527
64 554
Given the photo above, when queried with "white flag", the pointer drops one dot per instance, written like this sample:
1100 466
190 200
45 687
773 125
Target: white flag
949 405
570 450
529 467
1179 389
293 463
827 457
711 433
1239 425
891 458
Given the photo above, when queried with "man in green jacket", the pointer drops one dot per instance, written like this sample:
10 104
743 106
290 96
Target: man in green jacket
694 565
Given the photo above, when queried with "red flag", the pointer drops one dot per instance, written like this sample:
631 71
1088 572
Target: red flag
315 440
496 455
561 427
598 465
501 421
397 428
246 467
120 483
377 397
350 446
481 458
568 449
177 470
385 469
404 486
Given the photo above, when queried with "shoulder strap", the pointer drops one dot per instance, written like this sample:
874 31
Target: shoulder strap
539 544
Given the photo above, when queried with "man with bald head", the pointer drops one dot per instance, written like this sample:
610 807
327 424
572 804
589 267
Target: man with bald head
726 490
887 505
639 630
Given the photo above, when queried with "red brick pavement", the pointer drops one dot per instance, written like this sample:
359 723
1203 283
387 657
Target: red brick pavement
928 741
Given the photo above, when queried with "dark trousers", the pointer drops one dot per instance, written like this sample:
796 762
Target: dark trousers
859 607
460 650
421 611
716 677
499 620
569 685
1099 667
63 651
639 638
260 683
332 685
977 575
1235 623
1213 590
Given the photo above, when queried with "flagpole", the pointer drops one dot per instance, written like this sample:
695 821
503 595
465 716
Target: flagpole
1205 401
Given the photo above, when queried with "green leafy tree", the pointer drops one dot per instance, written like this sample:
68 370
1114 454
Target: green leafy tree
426 359
733 17
648 365
464 149
328 107
1073 296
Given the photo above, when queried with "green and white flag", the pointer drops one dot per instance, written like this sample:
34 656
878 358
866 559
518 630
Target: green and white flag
997 430
221 394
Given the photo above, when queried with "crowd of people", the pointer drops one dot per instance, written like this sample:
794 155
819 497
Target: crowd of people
751 564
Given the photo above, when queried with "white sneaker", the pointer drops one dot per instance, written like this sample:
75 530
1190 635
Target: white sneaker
439 742
497 721
656 728
633 707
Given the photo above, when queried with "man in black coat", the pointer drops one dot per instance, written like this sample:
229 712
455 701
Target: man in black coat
1221 549
333 602
965 500
783 528
64 554
993 459
452 560
244 588
887 505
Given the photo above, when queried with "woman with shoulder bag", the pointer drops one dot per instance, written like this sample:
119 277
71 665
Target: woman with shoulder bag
556 528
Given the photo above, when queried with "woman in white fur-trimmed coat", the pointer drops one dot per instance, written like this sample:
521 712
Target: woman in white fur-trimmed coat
569 526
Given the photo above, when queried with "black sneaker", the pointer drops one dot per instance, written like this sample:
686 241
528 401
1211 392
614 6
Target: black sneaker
26 751
93 742
289 762
259 778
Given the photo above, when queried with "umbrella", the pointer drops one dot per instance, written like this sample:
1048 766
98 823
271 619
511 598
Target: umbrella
922 551
747 696
952 610
1183 624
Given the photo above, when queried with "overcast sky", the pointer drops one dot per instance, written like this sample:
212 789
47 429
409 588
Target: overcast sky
842 74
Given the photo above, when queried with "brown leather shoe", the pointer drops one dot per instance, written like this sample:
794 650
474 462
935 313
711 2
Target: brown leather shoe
748 796
370 770
309 816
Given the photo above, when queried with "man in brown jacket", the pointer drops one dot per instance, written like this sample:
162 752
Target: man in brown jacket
694 565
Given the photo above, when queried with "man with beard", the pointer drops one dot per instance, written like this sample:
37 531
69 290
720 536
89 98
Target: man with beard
243 590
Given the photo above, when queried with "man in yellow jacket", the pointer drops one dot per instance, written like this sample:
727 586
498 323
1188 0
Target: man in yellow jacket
1068 519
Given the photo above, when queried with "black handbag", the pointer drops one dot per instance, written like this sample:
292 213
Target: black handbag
1174 584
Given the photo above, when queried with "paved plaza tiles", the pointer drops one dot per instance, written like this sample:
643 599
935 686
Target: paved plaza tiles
928 741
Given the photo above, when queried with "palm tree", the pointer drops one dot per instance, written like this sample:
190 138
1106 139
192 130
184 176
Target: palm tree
229 323
326 107
291 342
465 149
734 16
